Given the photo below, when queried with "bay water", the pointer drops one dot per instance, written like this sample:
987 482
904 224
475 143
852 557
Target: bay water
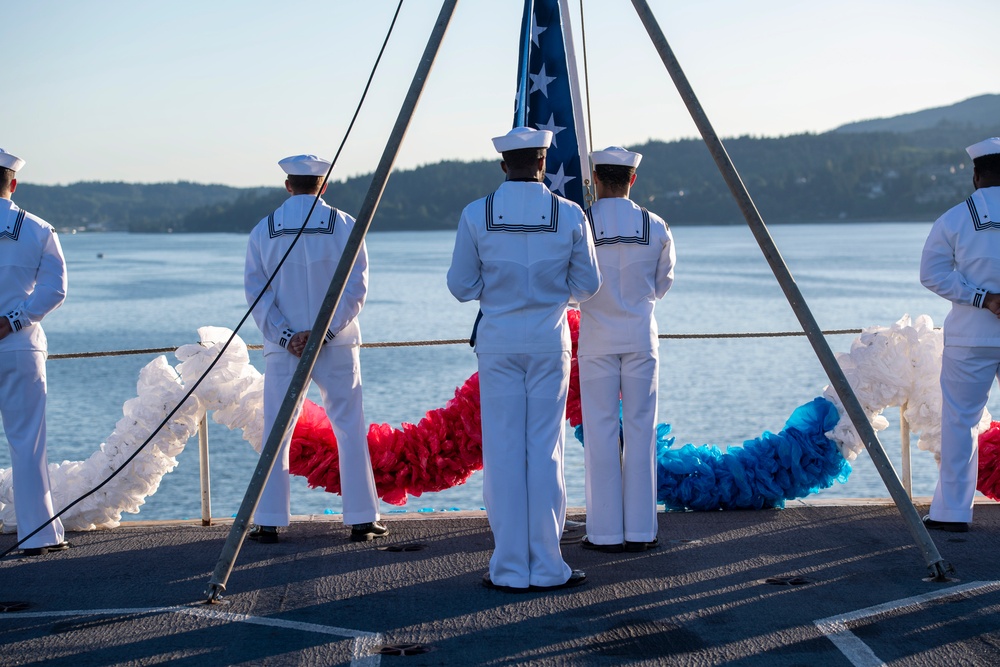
132 291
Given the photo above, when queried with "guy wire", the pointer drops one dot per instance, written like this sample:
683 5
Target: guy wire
246 315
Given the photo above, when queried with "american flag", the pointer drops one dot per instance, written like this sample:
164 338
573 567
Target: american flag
548 96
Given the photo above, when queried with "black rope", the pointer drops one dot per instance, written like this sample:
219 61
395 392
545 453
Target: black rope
465 341
246 316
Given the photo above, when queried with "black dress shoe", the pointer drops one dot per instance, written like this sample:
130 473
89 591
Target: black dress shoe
488 583
633 547
368 531
576 578
41 551
264 534
949 526
604 548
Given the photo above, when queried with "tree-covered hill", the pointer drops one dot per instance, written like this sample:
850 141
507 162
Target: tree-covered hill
971 112
117 206
912 167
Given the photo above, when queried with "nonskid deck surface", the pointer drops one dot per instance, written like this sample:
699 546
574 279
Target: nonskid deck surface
808 585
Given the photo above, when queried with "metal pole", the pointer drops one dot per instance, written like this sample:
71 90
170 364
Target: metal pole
206 475
904 436
300 380
838 380
521 110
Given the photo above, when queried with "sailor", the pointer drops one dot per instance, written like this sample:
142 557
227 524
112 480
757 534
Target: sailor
523 252
285 316
32 285
961 262
619 359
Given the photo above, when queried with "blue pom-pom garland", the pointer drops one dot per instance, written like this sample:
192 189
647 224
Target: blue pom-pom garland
762 473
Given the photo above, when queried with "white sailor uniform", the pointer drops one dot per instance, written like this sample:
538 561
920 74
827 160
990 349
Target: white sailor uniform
290 305
32 284
618 357
961 262
523 253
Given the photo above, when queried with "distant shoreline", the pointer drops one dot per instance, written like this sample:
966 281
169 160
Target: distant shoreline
70 231
839 176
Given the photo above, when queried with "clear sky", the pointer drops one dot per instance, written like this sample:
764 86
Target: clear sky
217 92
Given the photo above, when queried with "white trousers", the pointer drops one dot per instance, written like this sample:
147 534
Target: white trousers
337 373
23 391
967 375
620 480
523 403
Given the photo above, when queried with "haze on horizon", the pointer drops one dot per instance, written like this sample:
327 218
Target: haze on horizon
218 92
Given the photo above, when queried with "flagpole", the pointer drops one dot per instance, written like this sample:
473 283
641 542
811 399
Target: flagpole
521 112
936 565
577 100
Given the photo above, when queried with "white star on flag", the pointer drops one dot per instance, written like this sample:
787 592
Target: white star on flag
558 181
541 82
551 127
535 30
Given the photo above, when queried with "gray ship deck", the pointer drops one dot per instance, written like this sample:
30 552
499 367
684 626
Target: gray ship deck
857 596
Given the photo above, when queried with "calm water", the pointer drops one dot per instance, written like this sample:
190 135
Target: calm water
139 291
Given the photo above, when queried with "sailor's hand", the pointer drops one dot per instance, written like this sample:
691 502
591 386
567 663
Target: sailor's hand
4 327
297 345
991 302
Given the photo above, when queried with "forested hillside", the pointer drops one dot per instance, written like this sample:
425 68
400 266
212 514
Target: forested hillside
910 167
118 206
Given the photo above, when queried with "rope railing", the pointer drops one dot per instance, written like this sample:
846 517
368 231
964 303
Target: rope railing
462 341
203 426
